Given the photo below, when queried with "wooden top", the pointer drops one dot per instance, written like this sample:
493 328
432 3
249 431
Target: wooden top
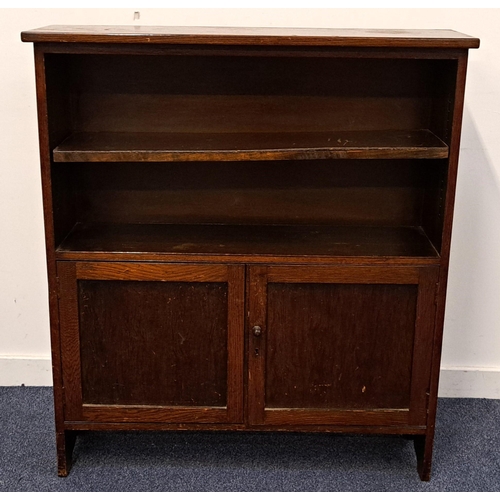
252 36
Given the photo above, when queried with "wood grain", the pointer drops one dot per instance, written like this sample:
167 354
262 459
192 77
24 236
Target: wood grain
128 413
251 240
256 356
319 301
336 417
120 147
405 430
210 150
423 346
251 36
270 113
130 340
70 340
150 272
139 342
339 347
334 192
345 275
64 438
236 343
424 445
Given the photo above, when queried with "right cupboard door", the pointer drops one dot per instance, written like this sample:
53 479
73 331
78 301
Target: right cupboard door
340 346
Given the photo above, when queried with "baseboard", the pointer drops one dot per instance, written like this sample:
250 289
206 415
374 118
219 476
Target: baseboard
469 382
16 370
454 382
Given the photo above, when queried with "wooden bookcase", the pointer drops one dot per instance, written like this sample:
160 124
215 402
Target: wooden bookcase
248 229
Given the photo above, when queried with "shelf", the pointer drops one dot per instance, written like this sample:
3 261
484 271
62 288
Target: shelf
130 241
125 147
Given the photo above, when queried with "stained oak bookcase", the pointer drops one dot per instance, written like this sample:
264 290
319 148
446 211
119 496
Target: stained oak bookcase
248 229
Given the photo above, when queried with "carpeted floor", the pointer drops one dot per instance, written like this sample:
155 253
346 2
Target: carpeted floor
466 455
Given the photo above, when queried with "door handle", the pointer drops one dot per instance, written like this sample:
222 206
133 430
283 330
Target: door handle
257 331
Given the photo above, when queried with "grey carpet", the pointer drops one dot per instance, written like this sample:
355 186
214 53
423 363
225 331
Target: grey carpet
466 455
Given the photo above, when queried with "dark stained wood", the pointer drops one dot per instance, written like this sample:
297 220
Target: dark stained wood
424 446
433 205
251 259
254 52
150 94
195 208
64 439
251 36
236 342
330 274
252 114
151 272
339 346
121 147
165 426
131 341
174 74
284 417
340 341
257 345
58 103
251 51
280 240
150 413
423 345
65 443
70 340
139 342
334 192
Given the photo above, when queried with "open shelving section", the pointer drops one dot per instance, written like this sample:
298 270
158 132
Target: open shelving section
338 153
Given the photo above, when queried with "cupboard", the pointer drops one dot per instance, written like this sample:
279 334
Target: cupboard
248 229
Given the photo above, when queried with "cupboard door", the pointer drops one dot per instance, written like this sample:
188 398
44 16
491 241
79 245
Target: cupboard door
152 342
340 345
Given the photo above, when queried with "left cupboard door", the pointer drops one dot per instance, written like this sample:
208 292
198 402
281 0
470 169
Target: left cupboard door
152 342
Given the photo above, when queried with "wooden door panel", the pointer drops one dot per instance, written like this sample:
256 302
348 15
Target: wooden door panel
153 342
340 345
140 340
353 344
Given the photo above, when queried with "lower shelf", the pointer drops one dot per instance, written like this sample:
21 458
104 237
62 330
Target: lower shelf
143 241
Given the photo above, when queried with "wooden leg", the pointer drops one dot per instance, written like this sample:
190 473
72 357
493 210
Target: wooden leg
65 442
423 449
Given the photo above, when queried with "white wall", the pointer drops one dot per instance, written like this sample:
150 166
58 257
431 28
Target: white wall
471 355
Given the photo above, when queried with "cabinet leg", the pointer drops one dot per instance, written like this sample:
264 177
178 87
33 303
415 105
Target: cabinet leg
423 449
65 442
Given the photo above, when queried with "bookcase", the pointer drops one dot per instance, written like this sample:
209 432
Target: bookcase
248 228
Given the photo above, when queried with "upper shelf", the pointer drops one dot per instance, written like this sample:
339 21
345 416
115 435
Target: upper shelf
137 147
318 37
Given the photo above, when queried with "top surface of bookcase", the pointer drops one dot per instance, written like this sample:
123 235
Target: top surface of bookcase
328 37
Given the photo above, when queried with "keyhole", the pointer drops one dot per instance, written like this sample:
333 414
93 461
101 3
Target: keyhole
256 352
